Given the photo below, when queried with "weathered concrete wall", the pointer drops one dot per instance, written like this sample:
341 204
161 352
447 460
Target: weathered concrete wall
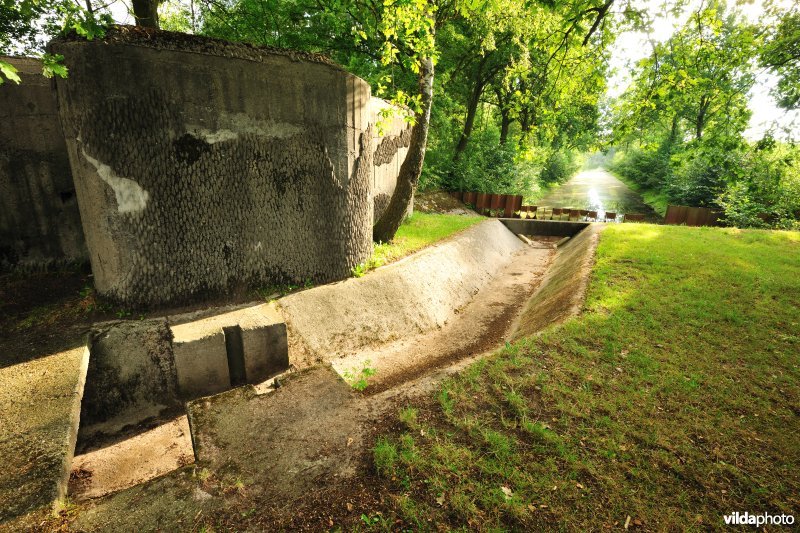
390 151
202 166
562 291
414 295
551 228
39 220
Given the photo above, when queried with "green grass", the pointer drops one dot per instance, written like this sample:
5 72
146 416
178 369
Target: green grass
417 231
656 199
674 399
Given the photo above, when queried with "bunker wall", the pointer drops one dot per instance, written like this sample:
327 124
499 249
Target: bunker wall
391 138
39 219
199 173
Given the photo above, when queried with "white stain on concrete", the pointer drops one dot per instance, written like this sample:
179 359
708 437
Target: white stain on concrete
131 198
233 125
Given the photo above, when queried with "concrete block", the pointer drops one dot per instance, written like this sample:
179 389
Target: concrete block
266 351
201 357
131 375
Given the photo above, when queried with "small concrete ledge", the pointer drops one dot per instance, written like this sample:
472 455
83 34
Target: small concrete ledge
202 359
549 228
38 432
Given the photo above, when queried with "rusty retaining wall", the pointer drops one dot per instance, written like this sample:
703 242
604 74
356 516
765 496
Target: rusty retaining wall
39 219
202 166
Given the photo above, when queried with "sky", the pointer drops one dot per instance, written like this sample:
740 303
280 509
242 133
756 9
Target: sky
632 46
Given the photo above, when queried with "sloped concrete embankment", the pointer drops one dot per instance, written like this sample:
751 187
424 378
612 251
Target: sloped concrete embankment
412 296
562 291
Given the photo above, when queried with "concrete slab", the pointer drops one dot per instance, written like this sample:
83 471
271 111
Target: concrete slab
562 291
132 461
288 442
41 402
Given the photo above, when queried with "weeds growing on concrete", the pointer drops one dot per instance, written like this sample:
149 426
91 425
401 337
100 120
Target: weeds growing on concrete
359 378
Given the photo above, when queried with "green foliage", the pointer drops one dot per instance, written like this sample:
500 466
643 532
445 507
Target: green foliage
27 25
767 194
53 65
174 15
681 122
649 168
559 167
8 71
359 378
781 53
385 456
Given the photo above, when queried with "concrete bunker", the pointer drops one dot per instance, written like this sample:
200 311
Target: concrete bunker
199 166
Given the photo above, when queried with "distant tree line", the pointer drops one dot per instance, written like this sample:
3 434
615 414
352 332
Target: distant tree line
679 127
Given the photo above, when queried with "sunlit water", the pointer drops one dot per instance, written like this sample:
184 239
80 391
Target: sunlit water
598 190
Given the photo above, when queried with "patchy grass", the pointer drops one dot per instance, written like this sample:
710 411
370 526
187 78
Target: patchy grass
417 231
673 400
656 199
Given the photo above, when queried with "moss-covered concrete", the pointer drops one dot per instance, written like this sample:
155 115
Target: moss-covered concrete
41 402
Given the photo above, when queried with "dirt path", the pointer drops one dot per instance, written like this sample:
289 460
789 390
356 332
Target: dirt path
598 190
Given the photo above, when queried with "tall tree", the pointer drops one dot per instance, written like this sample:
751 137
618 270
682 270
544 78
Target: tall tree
781 53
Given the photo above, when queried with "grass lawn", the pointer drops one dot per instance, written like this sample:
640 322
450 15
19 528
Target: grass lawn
417 231
673 400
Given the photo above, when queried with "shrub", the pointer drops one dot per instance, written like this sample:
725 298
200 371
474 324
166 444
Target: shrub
559 167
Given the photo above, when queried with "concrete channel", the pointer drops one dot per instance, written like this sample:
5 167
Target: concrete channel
151 386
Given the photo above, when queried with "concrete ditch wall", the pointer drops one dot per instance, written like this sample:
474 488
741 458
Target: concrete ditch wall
39 219
412 296
203 166
562 291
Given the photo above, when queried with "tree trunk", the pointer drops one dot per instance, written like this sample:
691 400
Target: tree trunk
472 109
146 13
700 123
505 116
408 178
505 125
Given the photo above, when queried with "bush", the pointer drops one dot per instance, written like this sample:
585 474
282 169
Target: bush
699 179
767 193
559 167
646 167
